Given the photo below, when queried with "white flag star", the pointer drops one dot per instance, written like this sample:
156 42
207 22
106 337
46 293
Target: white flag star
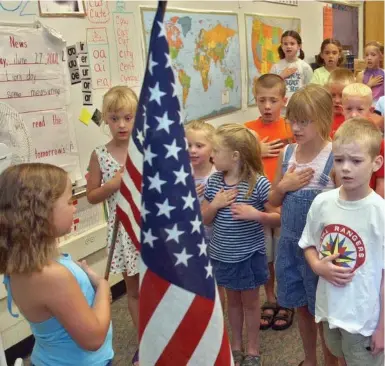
209 270
188 201
164 123
156 182
168 58
161 32
149 238
181 119
151 63
173 234
196 224
140 137
181 176
172 150
164 208
148 155
182 257
156 93
203 248
144 212
145 127
174 92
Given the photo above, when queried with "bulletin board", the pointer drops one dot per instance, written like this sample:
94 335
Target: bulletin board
58 80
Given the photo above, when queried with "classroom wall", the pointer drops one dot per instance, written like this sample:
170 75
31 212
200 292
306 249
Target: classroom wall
90 245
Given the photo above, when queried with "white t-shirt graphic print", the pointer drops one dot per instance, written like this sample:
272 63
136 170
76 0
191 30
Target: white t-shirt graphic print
355 229
297 80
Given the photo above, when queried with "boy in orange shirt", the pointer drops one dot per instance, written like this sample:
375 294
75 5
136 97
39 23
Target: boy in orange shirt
274 133
357 101
338 79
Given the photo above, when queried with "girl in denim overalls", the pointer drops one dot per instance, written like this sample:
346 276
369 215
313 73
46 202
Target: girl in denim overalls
304 170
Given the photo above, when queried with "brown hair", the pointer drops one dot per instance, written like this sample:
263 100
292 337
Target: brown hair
197 125
297 37
239 138
362 131
27 196
341 58
269 81
312 103
119 97
380 48
341 76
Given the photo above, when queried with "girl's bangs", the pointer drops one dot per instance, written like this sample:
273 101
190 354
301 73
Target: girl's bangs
299 109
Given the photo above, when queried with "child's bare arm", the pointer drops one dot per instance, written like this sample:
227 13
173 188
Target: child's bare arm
289 182
275 195
62 296
325 268
97 193
222 199
242 211
377 345
360 77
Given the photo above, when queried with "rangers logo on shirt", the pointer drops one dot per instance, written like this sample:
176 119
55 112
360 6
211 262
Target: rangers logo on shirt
345 241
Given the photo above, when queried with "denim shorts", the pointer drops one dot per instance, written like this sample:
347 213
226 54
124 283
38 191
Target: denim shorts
296 282
246 275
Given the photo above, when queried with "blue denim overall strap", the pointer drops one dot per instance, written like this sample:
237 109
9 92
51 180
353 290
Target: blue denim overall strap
9 296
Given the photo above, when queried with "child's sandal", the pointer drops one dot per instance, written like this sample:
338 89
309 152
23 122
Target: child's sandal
252 361
237 357
287 317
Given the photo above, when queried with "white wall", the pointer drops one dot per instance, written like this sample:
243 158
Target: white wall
310 13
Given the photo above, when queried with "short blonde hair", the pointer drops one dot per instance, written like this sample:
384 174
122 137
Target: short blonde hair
312 103
357 90
239 138
119 97
28 193
341 76
362 131
203 126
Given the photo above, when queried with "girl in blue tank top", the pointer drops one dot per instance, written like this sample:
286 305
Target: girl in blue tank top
66 304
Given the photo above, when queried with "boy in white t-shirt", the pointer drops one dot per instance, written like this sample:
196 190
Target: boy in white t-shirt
344 244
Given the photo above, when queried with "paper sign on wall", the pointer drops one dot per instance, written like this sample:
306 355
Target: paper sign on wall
33 82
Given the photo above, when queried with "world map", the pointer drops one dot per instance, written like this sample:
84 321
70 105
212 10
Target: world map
263 37
205 56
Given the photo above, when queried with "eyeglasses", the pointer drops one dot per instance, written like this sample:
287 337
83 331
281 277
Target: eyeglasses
301 124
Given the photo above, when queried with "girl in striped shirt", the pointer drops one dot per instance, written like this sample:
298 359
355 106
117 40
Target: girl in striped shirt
235 203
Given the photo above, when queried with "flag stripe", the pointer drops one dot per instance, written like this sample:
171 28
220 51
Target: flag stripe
133 230
132 163
225 357
192 327
209 346
159 288
171 311
135 209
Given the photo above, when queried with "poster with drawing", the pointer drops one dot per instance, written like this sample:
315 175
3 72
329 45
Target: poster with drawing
34 83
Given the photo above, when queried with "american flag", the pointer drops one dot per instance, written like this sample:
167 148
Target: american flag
180 317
